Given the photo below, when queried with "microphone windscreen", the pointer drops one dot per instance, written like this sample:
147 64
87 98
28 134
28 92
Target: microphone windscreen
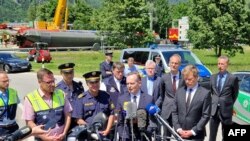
152 109
130 109
141 118
21 133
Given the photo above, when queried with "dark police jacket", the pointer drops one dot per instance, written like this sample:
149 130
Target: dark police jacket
112 89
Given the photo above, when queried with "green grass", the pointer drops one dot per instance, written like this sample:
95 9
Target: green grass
89 60
85 61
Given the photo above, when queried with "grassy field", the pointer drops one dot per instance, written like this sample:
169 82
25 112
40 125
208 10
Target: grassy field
89 60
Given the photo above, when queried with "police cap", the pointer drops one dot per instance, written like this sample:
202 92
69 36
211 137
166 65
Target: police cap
67 67
108 53
92 76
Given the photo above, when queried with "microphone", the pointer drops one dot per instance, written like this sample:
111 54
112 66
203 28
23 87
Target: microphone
130 108
19 134
141 118
99 121
153 110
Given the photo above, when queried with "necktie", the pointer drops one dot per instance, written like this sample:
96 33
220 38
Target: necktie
174 83
189 98
220 82
134 100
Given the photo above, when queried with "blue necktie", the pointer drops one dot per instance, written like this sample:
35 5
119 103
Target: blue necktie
219 86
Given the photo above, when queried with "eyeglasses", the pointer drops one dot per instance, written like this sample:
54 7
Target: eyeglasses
49 82
70 72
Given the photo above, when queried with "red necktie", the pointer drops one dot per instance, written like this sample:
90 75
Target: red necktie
174 83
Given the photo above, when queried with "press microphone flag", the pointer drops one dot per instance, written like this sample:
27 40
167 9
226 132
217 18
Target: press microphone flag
153 110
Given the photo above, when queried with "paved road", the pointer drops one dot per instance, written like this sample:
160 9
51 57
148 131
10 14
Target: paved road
27 82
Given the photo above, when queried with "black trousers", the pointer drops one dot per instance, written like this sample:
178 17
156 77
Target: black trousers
214 125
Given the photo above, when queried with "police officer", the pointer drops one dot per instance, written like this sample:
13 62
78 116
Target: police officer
8 106
49 107
70 87
93 102
106 66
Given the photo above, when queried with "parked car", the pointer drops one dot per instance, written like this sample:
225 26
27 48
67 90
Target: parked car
141 55
241 113
9 62
39 53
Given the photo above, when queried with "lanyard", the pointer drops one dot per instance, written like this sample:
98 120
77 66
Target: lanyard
5 102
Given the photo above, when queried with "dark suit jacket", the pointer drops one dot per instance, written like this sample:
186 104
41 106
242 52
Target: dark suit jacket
145 99
112 89
104 66
156 87
226 98
198 114
166 98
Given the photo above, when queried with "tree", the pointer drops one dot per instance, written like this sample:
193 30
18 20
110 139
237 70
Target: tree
218 24
125 22
80 15
163 16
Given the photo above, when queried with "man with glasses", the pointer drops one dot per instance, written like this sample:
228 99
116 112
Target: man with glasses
8 106
92 102
70 87
49 107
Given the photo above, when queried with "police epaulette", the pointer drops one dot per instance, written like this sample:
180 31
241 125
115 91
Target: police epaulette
81 95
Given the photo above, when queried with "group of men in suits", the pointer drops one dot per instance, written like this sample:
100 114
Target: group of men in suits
184 104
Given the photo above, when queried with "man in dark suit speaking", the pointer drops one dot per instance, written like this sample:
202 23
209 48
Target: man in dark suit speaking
224 89
192 107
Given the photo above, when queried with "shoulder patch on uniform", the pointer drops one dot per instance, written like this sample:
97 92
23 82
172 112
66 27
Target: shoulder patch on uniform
81 95
112 89
112 106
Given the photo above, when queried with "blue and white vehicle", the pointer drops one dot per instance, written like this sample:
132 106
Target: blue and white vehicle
141 55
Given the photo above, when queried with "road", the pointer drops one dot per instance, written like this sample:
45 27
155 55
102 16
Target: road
27 82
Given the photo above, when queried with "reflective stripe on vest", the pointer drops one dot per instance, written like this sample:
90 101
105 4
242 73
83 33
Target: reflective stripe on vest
12 97
39 104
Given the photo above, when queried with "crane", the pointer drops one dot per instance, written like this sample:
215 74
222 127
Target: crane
61 11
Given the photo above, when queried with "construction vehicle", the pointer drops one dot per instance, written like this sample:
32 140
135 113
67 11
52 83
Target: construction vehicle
56 36
39 53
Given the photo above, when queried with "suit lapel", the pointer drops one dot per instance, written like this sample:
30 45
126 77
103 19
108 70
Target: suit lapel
215 82
226 81
183 98
145 85
141 101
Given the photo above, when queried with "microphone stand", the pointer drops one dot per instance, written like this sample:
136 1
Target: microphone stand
132 129
178 138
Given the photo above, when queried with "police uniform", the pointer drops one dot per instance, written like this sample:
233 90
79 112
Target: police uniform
159 69
71 94
105 66
87 106
8 107
112 90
